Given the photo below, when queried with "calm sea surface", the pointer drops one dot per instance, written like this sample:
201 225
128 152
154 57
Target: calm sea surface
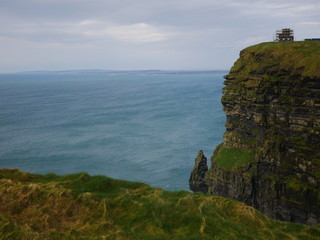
136 127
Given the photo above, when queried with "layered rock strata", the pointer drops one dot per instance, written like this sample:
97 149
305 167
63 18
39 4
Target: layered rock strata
270 157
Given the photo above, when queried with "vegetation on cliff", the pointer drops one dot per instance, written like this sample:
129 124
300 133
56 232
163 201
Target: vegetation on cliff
270 157
232 158
80 206
295 58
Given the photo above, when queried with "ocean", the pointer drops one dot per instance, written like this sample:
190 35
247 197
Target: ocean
142 127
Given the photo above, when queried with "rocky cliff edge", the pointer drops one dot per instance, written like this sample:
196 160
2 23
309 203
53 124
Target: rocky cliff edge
270 157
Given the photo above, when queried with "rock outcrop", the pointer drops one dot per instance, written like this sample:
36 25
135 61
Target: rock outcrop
270 157
197 179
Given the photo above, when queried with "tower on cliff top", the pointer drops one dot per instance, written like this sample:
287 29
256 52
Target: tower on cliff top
284 35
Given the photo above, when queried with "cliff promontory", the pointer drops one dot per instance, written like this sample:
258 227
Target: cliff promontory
270 156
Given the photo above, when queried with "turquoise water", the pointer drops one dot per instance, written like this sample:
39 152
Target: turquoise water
137 127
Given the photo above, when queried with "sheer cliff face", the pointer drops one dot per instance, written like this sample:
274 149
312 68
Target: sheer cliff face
270 157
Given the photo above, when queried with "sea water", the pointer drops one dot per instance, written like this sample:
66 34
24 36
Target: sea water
138 127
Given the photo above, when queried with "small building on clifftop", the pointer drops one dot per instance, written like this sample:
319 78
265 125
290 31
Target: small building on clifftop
284 35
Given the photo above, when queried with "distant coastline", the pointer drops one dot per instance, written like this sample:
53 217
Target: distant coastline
120 72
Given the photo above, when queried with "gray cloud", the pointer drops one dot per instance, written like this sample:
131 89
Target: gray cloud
126 34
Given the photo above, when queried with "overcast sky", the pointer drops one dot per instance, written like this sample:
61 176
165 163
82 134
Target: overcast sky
143 34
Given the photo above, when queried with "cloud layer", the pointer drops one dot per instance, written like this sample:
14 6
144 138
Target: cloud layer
142 34
137 33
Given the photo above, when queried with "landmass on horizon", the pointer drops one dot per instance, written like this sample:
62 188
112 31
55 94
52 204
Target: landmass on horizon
128 72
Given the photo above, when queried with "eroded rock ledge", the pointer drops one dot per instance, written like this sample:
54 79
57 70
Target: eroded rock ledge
270 157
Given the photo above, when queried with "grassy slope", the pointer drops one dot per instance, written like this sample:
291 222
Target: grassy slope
80 206
291 56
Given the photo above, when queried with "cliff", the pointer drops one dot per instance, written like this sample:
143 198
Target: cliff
270 157
80 206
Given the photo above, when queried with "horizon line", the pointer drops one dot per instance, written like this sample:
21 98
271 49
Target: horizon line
114 71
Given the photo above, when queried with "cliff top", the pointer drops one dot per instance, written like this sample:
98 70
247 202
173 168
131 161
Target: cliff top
293 58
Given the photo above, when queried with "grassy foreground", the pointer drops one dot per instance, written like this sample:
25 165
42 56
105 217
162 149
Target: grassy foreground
80 206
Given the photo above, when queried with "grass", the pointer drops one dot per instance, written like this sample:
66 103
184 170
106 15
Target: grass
80 206
231 158
276 56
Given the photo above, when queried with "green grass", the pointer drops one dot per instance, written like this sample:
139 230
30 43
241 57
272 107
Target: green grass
231 158
80 206
277 56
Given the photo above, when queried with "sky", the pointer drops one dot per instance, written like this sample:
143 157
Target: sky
143 34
